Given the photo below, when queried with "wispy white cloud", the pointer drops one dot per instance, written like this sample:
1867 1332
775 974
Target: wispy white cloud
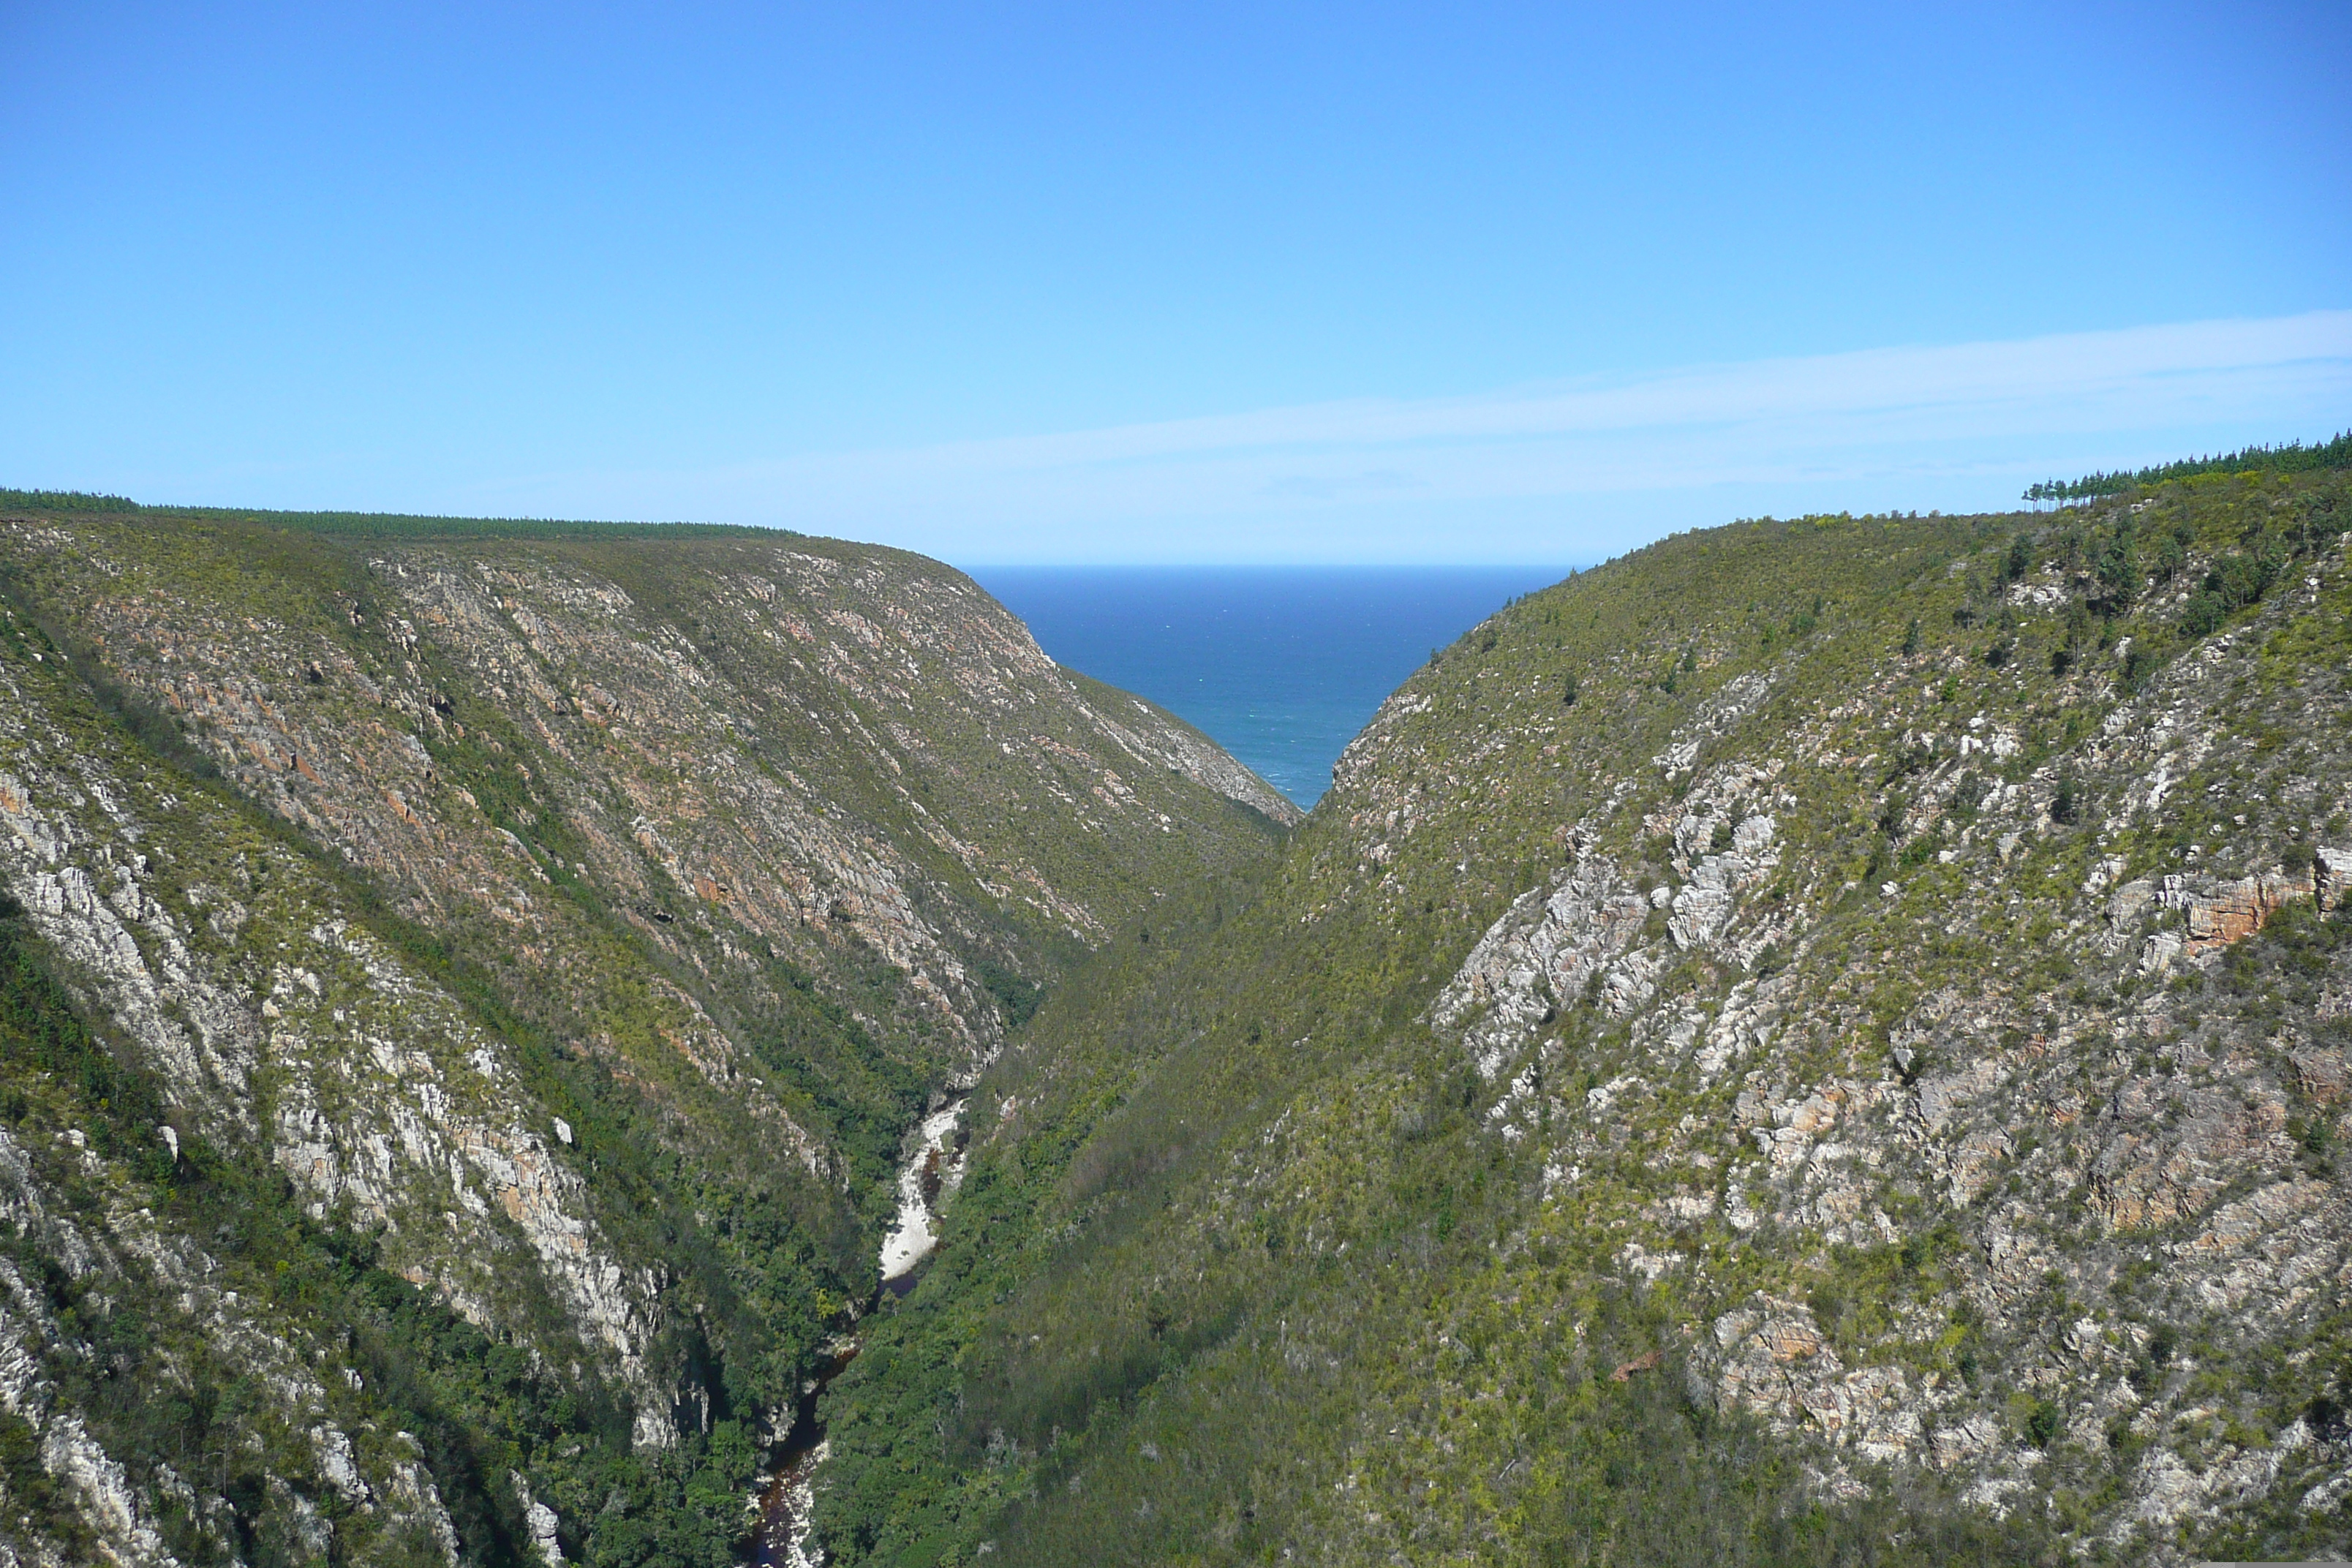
1564 472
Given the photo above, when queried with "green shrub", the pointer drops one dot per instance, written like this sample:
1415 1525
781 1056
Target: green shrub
2042 1423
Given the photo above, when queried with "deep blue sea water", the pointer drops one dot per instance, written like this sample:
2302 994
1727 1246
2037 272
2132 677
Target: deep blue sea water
1280 665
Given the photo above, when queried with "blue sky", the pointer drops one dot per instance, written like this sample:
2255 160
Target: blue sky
1199 283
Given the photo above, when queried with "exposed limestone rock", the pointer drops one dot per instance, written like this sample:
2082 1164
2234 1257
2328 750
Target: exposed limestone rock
1540 955
2078 1140
1703 906
408 1145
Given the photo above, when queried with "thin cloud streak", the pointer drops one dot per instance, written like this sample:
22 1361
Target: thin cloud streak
1614 457
2142 365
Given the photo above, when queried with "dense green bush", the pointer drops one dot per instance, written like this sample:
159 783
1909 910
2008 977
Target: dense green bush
2293 457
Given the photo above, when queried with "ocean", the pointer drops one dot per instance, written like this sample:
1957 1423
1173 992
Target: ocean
1280 665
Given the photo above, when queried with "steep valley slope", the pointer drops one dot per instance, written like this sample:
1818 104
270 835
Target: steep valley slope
1813 1042
463 989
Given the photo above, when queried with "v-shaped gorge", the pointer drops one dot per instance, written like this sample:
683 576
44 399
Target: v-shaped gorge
1812 1042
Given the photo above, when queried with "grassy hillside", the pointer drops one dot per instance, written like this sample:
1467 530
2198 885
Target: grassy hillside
467 988
1815 1041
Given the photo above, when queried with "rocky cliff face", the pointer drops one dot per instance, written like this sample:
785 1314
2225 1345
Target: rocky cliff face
2011 1040
466 992
1812 1033
815 748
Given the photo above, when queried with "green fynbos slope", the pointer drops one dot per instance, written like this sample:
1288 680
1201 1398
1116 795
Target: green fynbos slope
1812 1042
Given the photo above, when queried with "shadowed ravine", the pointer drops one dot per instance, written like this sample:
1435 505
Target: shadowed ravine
930 1171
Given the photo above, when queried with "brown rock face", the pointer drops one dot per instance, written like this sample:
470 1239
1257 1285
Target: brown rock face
1647 1362
2325 1073
2169 1148
2237 910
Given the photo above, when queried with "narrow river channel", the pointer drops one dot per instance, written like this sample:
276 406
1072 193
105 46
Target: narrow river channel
932 1169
